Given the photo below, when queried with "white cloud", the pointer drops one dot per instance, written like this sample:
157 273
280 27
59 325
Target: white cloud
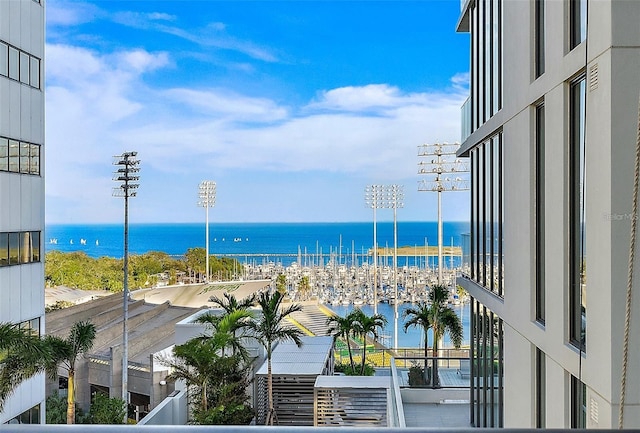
68 13
229 105
99 105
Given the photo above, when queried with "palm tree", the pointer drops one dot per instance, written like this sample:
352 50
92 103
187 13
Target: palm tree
197 361
342 327
365 325
419 316
229 303
443 321
22 356
224 330
65 353
271 329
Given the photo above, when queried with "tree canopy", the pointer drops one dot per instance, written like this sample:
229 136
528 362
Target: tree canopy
78 270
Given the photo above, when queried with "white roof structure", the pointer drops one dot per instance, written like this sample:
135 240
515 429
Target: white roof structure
294 371
309 359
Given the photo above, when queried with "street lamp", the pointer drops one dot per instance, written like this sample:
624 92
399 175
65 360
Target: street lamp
207 199
444 172
374 198
395 197
127 175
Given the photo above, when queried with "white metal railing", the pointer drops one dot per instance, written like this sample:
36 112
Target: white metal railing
397 409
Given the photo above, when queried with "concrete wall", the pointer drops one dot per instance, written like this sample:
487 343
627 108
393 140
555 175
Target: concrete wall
172 410
22 196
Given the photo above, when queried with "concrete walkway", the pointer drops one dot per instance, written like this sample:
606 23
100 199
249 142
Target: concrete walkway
436 415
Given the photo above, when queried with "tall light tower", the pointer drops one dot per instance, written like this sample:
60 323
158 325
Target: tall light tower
207 199
127 175
395 197
375 199
443 172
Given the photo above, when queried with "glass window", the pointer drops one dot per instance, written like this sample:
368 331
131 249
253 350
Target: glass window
35 246
13 63
541 389
497 56
14 248
34 80
578 22
487 404
539 37
34 156
25 247
4 154
24 68
4 59
14 156
4 249
577 222
495 222
474 205
30 416
539 213
578 403
25 150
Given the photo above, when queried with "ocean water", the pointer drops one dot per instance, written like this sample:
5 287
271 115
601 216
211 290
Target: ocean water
414 337
279 242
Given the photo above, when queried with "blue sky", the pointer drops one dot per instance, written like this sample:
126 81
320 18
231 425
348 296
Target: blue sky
292 107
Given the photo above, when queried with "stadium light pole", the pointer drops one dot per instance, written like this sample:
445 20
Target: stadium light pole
207 199
127 175
395 197
374 198
444 172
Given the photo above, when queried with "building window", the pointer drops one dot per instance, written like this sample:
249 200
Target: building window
33 326
539 186
578 22
13 63
541 389
19 157
577 223
31 416
486 218
4 59
486 391
19 248
578 403
539 28
486 61
19 65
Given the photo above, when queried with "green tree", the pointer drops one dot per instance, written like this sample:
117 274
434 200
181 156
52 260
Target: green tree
107 410
419 317
342 327
56 412
65 354
238 310
219 382
304 288
281 284
229 303
271 328
224 330
22 356
364 326
443 321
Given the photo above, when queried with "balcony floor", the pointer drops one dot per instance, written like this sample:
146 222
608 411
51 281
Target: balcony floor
436 415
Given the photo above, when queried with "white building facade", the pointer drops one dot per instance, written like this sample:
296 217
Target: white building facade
550 128
22 186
